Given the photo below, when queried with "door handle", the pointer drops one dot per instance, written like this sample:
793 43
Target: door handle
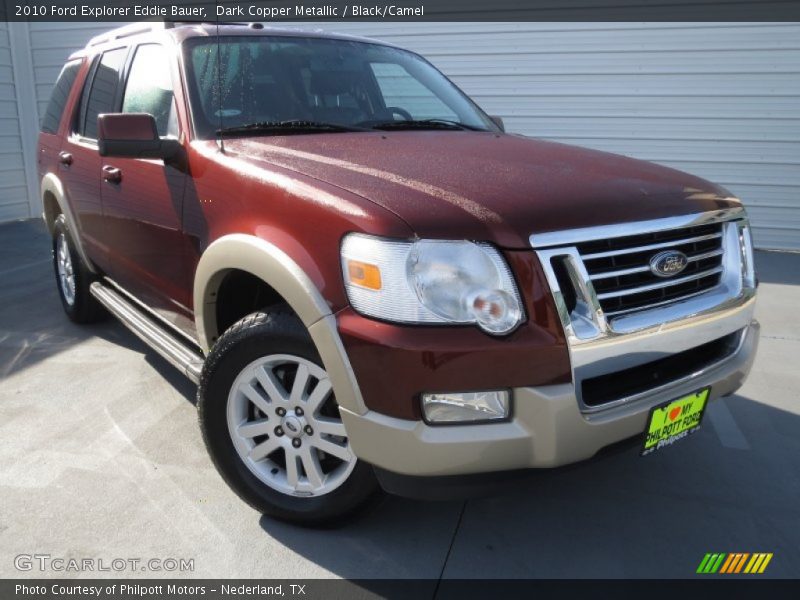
65 158
112 174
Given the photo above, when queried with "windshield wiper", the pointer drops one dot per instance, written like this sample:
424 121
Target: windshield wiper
421 124
293 125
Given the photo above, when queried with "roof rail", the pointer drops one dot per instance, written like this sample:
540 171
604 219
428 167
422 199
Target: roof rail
147 26
128 30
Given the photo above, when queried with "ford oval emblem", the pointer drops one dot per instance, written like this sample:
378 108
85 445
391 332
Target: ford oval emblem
668 263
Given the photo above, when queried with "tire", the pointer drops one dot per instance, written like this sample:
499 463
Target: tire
73 277
249 379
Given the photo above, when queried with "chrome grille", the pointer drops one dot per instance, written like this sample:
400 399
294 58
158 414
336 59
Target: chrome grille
619 318
619 268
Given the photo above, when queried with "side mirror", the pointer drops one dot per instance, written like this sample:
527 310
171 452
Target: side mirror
498 121
133 135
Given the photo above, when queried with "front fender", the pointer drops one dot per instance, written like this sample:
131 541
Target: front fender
278 270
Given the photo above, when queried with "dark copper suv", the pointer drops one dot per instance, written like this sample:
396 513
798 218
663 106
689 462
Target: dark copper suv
369 279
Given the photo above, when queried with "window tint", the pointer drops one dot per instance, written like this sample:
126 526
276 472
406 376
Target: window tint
104 85
58 97
149 88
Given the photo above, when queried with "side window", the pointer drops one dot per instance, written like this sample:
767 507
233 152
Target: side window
58 97
149 88
100 98
400 88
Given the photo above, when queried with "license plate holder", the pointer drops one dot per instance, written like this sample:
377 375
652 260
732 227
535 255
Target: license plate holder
674 420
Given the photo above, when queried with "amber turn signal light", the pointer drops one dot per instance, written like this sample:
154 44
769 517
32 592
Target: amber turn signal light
364 274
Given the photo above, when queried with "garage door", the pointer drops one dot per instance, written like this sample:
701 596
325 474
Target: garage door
13 191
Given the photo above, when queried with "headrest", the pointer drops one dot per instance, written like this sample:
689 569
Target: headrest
331 83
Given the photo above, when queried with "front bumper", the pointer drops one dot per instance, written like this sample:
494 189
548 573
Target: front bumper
548 428
618 371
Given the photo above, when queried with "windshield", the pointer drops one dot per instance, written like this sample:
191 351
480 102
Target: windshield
269 80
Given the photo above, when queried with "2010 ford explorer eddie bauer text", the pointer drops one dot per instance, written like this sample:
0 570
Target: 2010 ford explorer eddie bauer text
369 280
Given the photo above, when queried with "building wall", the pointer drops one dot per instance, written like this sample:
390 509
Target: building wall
719 100
13 191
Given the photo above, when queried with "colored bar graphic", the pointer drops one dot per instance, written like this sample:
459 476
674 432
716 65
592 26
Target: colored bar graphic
727 564
716 565
764 564
753 560
734 562
740 564
703 563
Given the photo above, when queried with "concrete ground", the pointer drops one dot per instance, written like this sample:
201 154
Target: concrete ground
101 457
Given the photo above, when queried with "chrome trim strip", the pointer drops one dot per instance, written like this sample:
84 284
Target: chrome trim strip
151 313
616 313
589 234
646 268
657 286
168 347
620 273
634 250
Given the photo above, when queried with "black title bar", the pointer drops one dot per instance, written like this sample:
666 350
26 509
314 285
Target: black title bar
401 10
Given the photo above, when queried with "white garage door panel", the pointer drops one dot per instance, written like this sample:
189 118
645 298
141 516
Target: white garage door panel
729 152
12 207
712 132
670 106
599 63
776 225
13 194
8 109
637 85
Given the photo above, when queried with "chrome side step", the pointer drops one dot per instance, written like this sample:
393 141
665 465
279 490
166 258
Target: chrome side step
173 350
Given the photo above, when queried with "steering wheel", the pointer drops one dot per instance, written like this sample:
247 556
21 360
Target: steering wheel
396 110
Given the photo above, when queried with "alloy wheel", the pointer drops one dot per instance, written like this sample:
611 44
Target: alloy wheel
285 425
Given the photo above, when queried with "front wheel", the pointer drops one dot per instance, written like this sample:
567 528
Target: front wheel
271 423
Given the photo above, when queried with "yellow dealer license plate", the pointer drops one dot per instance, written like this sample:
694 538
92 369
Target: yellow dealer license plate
675 420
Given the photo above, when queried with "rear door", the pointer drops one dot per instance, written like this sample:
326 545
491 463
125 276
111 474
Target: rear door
143 198
79 160
50 130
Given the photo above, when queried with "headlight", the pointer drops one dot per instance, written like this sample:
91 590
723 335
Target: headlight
431 281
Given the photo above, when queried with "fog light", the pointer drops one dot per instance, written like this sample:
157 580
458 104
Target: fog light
465 407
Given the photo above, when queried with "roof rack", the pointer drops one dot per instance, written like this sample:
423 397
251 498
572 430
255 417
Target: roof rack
145 27
127 31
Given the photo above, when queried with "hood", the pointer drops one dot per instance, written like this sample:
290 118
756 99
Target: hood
487 186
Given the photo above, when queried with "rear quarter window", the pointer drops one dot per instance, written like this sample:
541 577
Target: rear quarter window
59 96
101 97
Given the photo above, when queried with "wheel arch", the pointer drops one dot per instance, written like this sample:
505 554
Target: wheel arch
271 265
54 202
